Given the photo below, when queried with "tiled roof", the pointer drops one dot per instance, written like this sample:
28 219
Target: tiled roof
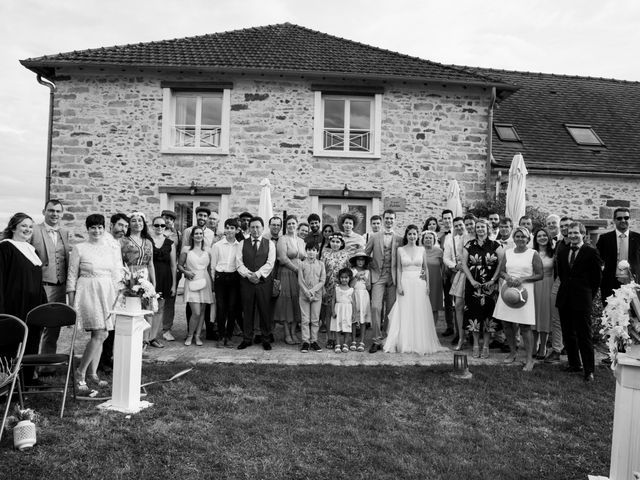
282 48
546 102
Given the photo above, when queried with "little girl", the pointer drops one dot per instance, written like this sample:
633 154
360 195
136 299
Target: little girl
342 310
335 259
361 284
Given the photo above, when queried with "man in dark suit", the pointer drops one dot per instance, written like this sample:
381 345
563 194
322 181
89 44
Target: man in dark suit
616 246
579 270
52 245
255 259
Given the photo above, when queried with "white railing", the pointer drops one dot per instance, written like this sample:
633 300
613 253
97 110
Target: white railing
191 136
359 140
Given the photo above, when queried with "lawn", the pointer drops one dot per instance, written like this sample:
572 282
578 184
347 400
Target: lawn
280 422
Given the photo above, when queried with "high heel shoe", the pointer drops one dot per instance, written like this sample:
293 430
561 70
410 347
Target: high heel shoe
476 351
187 341
460 346
198 341
485 352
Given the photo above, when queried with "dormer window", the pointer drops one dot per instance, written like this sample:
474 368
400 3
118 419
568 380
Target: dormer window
584 135
506 132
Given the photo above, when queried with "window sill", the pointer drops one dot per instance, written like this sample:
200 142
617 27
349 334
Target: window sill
194 151
351 155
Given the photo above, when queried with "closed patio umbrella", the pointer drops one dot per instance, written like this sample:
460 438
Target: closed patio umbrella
515 204
265 208
453 199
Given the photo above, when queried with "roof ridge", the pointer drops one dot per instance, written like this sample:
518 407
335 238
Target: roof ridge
544 74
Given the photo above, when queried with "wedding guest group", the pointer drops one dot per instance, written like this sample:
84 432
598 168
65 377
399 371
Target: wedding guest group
386 290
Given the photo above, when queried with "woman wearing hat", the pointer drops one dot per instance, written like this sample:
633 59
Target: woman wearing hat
521 267
352 240
335 259
361 284
481 259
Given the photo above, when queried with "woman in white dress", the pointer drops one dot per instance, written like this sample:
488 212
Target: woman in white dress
522 266
95 272
411 324
195 264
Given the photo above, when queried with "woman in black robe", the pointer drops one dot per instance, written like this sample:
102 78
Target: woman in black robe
21 278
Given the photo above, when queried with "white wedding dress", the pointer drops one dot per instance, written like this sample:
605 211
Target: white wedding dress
411 324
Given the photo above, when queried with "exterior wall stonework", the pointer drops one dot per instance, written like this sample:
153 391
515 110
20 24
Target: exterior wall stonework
106 154
584 198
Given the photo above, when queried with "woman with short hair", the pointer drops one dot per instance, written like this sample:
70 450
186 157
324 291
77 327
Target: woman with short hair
95 272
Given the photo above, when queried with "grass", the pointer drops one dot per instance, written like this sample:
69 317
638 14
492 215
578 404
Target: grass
278 422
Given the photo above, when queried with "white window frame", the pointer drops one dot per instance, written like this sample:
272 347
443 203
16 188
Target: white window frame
168 122
373 204
318 126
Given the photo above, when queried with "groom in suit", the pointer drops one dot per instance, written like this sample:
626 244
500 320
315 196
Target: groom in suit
255 259
615 246
579 270
382 247
52 246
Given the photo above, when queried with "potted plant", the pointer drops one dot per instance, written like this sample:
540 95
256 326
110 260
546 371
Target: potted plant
22 422
620 321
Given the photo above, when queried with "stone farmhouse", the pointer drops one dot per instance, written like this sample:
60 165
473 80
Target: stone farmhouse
335 125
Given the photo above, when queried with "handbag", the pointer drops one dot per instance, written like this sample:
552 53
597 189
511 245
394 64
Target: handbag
197 284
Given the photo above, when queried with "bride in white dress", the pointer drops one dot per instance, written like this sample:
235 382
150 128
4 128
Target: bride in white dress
411 324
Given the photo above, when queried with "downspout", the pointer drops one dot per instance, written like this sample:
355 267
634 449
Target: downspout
52 88
490 145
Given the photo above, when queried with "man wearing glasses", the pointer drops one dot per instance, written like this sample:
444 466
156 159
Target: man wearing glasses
619 245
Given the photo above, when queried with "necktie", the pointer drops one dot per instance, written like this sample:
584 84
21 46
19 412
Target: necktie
53 234
623 247
572 257
255 244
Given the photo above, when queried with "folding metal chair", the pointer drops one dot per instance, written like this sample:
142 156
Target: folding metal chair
52 315
13 341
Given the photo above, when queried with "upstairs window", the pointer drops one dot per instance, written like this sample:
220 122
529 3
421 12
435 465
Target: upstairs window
507 132
195 121
584 135
347 125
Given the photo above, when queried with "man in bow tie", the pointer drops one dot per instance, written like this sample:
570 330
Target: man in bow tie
617 246
52 245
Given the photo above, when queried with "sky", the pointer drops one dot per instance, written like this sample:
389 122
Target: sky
597 38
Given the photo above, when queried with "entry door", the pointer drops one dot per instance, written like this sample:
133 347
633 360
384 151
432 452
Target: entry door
185 208
332 208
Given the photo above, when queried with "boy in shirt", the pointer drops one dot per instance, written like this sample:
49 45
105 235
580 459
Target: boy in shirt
311 278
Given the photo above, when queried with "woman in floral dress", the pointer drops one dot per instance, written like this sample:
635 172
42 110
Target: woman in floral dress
481 259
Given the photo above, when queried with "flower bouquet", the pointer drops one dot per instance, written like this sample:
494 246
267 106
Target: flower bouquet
23 424
620 322
137 285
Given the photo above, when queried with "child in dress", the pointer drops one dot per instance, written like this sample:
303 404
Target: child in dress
335 259
361 284
311 278
342 310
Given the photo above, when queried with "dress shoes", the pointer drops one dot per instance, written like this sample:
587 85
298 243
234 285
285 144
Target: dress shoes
266 345
447 332
572 369
589 378
374 348
553 357
257 339
244 344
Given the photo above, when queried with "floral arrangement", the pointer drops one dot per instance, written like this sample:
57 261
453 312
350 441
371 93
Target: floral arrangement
19 415
620 324
137 285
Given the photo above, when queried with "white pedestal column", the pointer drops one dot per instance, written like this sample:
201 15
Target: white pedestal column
127 363
625 445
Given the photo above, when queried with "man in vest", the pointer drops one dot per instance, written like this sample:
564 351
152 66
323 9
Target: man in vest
255 259
52 245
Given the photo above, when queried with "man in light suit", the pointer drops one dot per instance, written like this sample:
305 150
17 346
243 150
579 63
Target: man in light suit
580 273
52 245
382 248
615 246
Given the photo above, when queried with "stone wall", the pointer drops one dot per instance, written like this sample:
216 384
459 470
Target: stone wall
107 138
582 197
